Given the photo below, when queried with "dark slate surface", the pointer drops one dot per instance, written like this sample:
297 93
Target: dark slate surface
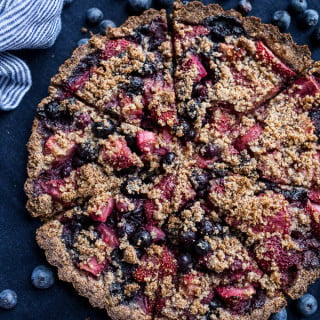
19 253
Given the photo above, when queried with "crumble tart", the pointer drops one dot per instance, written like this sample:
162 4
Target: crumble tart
175 166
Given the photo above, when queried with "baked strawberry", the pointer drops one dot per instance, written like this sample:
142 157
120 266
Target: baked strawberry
252 134
108 235
116 153
102 211
92 266
146 141
193 64
114 48
60 148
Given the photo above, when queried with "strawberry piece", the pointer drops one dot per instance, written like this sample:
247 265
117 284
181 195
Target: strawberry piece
307 86
156 266
104 211
313 209
195 32
116 152
252 134
52 188
202 162
60 149
74 84
156 233
128 109
144 303
230 292
108 235
314 196
194 62
268 58
275 252
92 266
146 141
114 48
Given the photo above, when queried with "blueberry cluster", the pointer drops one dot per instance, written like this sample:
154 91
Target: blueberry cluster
308 17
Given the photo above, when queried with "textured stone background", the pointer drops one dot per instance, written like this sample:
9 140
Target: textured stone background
19 253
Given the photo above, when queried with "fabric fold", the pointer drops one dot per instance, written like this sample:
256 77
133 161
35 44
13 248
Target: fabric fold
24 24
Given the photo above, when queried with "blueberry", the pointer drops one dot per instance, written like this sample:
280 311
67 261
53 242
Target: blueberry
148 68
53 111
298 6
164 3
184 262
201 247
8 299
94 16
307 304
214 304
206 227
85 153
310 18
140 5
210 150
187 130
282 19
135 86
281 315
142 239
245 6
128 228
42 277
82 41
103 129
105 24
199 179
187 237
169 157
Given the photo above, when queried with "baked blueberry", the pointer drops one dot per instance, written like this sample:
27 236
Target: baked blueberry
282 19
298 6
8 299
187 237
210 151
42 277
139 5
142 239
307 305
103 129
310 18
206 227
184 262
281 315
135 86
105 24
169 157
94 16
82 41
201 247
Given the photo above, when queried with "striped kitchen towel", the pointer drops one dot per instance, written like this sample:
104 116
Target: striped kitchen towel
23 24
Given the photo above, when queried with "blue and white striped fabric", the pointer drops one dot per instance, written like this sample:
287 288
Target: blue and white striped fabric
24 24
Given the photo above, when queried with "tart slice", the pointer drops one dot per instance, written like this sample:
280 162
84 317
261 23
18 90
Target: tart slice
127 73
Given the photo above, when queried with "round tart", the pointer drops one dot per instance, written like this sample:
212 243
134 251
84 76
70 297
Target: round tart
175 165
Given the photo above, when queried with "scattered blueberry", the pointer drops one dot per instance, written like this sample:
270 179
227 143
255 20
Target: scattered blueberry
140 5
206 227
105 24
67 2
103 129
310 18
281 315
83 41
184 262
307 304
245 6
85 153
202 247
127 228
165 3
142 239
135 87
8 299
298 6
214 304
282 19
42 277
94 16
